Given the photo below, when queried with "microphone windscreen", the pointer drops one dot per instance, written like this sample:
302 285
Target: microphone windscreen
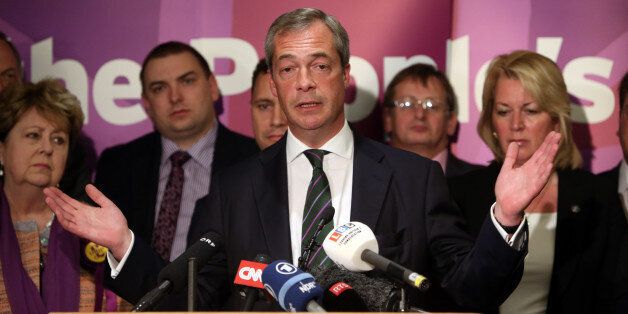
202 250
328 214
340 297
378 293
292 288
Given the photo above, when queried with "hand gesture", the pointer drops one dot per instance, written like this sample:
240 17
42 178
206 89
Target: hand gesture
104 225
517 187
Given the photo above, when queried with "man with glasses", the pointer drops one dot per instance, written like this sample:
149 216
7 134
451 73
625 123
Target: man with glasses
420 116
10 63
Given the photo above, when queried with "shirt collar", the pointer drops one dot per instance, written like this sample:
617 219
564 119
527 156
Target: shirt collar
200 151
441 158
341 144
622 185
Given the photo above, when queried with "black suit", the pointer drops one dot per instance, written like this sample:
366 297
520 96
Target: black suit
457 166
129 175
611 178
587 235
401 196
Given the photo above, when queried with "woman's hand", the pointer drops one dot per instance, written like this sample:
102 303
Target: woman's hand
517 187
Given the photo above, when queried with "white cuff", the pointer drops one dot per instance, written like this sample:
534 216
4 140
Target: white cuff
516 239
116 267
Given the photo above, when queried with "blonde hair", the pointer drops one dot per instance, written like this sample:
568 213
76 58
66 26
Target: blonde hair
542 79
49 98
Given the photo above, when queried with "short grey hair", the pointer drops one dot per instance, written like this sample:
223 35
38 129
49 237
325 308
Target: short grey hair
301 19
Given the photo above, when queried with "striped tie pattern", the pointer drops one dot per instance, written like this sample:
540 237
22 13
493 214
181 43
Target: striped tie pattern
166 225
317 199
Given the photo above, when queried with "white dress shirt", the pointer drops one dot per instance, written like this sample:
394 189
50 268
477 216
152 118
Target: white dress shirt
338 167
622 186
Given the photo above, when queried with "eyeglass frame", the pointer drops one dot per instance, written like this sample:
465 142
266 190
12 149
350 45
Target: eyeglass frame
437 106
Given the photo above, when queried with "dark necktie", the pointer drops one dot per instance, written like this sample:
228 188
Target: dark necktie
166 226
318 198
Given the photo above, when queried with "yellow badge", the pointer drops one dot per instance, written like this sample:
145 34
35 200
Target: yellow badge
95 252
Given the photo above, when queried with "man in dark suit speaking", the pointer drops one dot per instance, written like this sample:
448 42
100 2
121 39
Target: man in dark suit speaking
266 203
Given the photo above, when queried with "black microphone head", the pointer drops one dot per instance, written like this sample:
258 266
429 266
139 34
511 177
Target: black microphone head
328 214
378 293
202 250
340 297
262 258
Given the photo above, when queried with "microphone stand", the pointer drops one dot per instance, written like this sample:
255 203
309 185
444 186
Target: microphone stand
192 284
305 257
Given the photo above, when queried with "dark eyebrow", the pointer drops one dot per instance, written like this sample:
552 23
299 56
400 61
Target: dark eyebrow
184 75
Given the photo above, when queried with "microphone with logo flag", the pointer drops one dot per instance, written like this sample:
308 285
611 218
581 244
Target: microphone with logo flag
377 293
250 275
354 247
173 277
294 290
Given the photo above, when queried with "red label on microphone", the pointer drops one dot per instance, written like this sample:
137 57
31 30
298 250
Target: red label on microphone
250 274
339 288
335 236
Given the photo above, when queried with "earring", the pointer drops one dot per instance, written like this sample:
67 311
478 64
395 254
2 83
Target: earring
494 134
1 169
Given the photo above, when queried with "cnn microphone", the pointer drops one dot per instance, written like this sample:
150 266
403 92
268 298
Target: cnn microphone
172 278
294 290
326 216
250 275
354 247
340 297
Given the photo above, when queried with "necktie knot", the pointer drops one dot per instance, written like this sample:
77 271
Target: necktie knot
179 158
315 156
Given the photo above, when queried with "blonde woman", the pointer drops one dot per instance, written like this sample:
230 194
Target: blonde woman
570 224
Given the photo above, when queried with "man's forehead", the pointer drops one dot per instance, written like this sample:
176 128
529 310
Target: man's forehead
172 66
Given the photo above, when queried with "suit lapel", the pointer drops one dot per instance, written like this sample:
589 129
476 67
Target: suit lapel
370 182
270 189
572 216
145 194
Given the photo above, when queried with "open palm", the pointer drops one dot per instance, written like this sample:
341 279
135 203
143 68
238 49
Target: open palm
105 225
516 187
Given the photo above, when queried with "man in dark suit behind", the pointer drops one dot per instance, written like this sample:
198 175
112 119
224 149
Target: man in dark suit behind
258 205
178 95
617 180
420 109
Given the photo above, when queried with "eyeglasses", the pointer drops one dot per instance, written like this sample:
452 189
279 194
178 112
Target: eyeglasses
408 103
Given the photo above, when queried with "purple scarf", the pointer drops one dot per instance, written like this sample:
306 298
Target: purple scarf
60 278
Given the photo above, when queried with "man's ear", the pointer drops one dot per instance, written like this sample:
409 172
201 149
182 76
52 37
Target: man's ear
388 123
214 91
346 77
452 123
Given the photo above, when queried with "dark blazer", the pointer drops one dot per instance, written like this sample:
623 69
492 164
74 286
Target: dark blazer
129 175
401 196
611 178
587 235
457 166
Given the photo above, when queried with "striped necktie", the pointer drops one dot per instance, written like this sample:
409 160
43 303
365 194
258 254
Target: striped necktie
318 198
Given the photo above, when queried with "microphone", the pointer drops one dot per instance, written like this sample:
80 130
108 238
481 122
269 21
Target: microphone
340 297
377 292
326 216
172 278
354 247
294 290
250 275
